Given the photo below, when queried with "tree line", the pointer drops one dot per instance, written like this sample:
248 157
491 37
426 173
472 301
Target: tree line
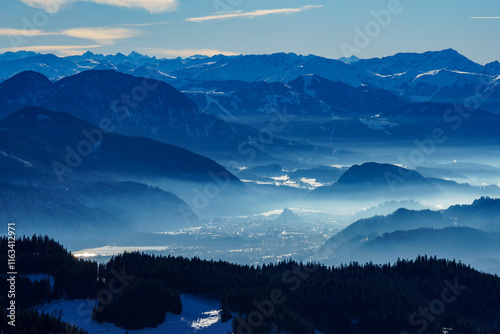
423 295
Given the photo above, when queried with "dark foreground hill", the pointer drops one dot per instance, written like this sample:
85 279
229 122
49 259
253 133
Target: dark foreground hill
425 295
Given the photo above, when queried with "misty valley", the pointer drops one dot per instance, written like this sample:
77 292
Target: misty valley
271 193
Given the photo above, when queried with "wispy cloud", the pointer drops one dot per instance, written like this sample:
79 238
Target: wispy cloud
101 35
143 24
485 17
23 32
104 35
252 14
152 6
187 52
64 50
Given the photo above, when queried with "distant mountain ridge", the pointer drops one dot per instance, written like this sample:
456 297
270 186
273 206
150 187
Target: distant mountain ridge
143 107
466 244
97 95
39 137
467 232
403 73
482 214
322 101
372 183
379 181
70 177
433 76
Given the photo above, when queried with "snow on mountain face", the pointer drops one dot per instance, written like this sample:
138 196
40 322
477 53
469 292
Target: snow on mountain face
429 76
378 124
166 114
422 62
19 160
345 99
445 85
247 68
255 100
305 98
494 66
308 79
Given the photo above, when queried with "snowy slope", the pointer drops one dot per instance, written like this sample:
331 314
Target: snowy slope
199 316
446 85
429 76
423 62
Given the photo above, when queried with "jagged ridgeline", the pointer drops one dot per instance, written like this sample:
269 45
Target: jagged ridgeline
425 294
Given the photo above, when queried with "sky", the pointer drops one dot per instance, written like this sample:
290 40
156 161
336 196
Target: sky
181 28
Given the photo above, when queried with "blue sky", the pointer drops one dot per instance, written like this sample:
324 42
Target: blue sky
329 28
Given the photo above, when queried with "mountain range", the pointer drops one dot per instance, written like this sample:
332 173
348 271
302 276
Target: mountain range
76 128
219 105
465 244
435 76
59 143
140 107
64 174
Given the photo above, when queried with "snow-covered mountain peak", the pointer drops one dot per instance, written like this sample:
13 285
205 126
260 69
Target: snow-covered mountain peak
423 62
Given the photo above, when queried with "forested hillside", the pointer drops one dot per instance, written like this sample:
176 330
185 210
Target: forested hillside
425 294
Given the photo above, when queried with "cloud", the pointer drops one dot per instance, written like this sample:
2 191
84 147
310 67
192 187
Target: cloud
23 32
64 50
143 24
184 53
104 35
101 35
152 6
252 14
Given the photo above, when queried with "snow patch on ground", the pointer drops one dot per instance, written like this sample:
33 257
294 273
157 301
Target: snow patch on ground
115 250
307 85
42 117
200 316
378 124
24 162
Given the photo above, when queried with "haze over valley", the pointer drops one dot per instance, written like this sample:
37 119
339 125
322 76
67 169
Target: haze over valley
254 163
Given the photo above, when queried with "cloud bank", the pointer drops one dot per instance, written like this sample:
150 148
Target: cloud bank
104 35
152 6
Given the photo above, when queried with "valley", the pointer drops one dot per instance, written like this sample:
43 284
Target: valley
213 178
